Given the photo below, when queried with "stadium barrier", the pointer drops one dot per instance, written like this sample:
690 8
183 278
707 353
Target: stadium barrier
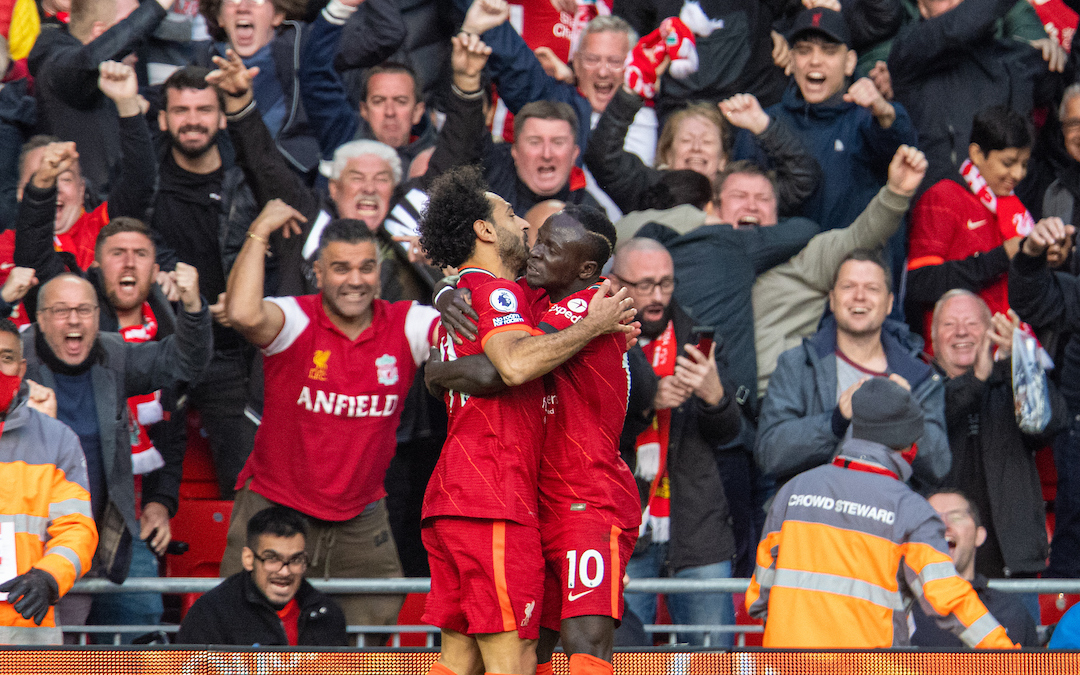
275 661
422 585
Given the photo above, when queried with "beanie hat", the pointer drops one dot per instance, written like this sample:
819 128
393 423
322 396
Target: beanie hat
884 412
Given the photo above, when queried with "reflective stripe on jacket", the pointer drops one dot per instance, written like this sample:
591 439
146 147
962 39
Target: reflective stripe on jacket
846 551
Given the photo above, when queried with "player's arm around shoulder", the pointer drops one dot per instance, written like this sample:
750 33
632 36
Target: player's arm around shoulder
520 357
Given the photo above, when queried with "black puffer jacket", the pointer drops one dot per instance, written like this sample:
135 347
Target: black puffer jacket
237 613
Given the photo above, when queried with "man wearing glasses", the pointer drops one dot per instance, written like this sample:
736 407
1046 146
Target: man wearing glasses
269 602
679 410
93 374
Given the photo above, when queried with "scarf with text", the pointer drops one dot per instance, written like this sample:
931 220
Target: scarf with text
1014 220
652 444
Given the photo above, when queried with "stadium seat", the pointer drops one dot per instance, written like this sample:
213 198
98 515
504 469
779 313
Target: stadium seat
203 524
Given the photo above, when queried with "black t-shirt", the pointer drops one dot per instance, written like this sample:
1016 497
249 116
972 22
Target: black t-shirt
186 215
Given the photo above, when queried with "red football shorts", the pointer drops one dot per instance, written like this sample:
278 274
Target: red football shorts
486 576
585 560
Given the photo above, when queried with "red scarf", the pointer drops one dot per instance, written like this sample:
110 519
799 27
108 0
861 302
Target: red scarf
661 352
146 409
1013 218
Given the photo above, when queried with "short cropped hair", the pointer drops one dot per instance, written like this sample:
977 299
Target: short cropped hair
189 77
999 127
973 508
610 24
35 142
546 110
332 168
602 234
866 255
393 67
456 200
348 231
742 167
278 521
118 225
8 326
949 295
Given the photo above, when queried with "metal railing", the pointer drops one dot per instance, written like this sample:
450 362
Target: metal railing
420 585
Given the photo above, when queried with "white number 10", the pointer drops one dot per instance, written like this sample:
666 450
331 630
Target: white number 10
580 569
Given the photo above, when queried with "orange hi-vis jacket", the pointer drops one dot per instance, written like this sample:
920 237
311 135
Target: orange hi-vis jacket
847 547
46 496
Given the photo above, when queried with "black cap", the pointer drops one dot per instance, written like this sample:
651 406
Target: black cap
827 22
884 412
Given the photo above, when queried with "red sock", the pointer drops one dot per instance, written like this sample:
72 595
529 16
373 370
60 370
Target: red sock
544 669
587 664
439 669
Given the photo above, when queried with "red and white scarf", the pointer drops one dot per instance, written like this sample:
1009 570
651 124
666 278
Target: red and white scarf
146 409
1014 220
652 444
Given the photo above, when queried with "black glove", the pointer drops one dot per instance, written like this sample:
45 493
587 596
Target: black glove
32 593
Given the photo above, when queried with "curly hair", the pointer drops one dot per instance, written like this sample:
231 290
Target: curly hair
455 201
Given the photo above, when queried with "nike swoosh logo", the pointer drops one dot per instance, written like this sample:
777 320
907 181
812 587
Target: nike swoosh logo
6 266
574 596
975 224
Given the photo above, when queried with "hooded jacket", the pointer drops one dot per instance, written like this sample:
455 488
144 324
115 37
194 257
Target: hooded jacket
797 429
46 497
850 547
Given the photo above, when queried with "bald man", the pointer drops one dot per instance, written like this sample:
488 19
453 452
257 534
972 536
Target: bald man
679 388
93 374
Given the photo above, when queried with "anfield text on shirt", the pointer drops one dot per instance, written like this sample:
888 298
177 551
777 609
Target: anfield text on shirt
348 406
843 506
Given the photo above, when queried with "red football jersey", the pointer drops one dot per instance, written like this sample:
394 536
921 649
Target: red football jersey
333 404
489 463
81 238
581 466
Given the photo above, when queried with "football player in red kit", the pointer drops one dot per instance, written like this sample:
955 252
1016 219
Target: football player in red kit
589 504
480 514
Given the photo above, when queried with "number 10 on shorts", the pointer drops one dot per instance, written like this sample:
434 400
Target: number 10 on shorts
579 569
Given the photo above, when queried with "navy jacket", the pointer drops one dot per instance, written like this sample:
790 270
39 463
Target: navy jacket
853 150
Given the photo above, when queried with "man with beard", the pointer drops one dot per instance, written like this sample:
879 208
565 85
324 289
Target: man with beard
806 411
679 411
338 365
202 210
486 610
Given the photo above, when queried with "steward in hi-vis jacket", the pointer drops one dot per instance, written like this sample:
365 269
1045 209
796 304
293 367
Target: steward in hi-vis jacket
848 546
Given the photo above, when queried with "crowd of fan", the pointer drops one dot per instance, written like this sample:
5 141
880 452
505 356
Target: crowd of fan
840 189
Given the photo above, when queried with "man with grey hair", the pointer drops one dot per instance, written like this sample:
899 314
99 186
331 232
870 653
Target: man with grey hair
993 460
362 178
598 66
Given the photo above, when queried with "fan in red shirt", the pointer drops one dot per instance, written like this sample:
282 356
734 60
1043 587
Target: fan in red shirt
589 505
480 511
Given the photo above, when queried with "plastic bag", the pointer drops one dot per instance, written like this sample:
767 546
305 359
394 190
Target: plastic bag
1031 394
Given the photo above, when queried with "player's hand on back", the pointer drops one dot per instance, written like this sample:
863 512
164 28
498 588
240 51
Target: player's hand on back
610 313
